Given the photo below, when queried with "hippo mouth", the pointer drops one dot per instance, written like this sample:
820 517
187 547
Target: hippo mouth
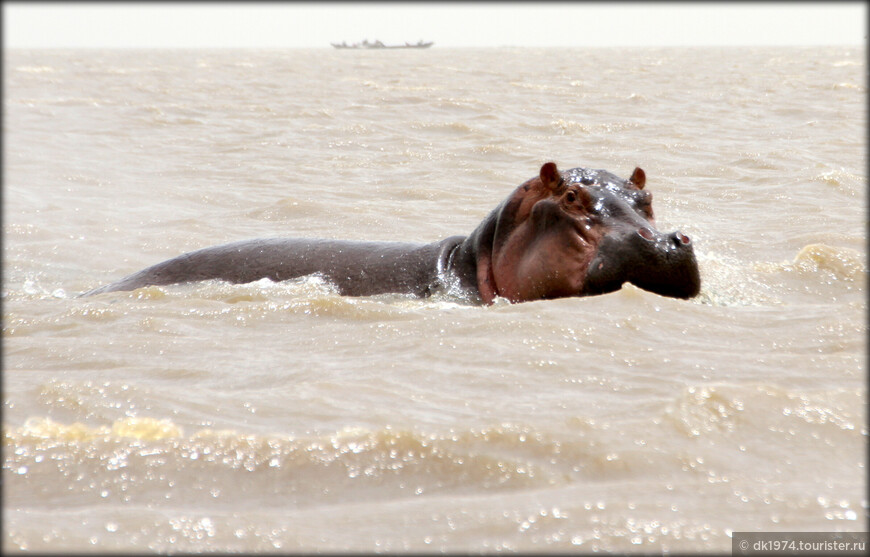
661 263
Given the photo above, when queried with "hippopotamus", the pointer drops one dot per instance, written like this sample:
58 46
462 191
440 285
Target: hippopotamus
578 232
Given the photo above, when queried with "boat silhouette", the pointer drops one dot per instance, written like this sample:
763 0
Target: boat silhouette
378 44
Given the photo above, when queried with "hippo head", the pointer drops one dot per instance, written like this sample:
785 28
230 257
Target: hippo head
578 233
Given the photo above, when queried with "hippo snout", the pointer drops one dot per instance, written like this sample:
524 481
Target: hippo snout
657 262
664 264
674 240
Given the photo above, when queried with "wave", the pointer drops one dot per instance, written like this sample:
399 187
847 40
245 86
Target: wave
285 209
835 263
571 127
718 410
450 126
842 180
728 281
35 69
134 457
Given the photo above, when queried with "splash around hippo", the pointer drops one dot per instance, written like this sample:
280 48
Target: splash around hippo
578 232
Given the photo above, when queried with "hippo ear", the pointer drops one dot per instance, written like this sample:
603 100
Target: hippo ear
550 176
638 178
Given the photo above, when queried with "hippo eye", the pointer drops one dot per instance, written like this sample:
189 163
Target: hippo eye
582 197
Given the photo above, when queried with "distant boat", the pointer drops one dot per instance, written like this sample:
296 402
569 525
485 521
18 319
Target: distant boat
378 44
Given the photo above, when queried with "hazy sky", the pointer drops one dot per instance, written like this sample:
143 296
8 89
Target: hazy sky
277 25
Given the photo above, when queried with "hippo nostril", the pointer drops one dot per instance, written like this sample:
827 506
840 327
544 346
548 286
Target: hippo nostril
645 233
681 239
